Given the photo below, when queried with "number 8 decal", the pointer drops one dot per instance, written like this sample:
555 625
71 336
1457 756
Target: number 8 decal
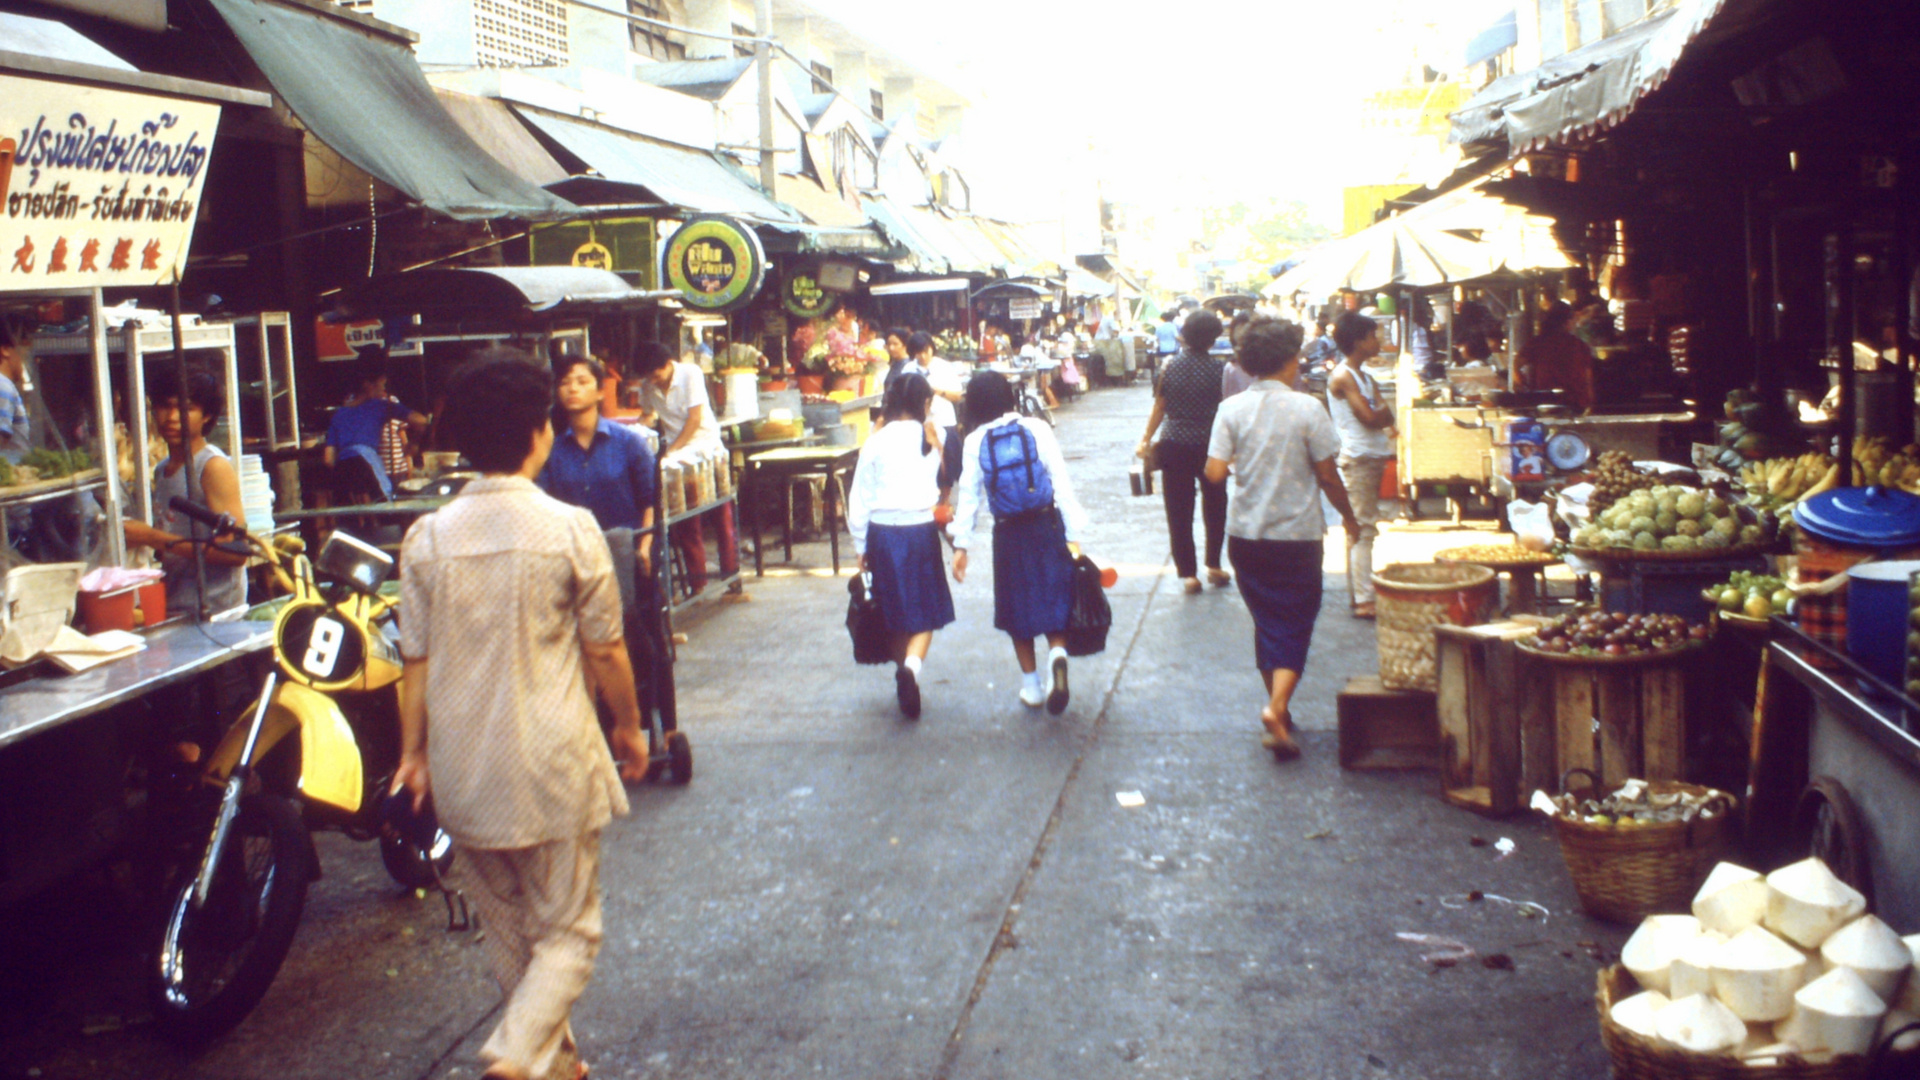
323 647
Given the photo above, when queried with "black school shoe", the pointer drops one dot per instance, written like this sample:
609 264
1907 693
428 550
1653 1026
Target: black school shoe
1057 697
907 689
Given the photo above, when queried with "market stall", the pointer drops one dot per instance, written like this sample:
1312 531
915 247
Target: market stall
83 714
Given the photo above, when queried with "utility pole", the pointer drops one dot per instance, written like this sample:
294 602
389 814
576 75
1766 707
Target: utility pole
763 61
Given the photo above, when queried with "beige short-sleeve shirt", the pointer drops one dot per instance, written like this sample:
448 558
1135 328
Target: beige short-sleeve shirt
499 590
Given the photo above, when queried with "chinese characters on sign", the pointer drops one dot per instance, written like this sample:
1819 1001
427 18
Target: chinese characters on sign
97 187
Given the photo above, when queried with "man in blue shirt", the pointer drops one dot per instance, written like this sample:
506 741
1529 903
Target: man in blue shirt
600 464
355 429
1166 338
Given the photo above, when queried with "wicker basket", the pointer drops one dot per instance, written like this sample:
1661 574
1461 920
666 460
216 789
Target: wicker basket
1624 873
1412 599
1636 1057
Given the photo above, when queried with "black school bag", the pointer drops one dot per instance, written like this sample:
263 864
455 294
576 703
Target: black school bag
872 640
1091 616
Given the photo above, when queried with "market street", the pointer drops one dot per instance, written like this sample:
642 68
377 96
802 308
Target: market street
841 892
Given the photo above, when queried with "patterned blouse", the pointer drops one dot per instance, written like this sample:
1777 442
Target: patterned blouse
1190 386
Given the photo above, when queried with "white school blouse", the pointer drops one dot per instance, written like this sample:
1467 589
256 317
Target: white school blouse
894 483
970 494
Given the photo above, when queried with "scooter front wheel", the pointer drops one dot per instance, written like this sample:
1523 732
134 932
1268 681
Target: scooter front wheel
216 959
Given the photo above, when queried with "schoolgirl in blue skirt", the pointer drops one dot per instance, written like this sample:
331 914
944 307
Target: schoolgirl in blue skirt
890 513
1011 465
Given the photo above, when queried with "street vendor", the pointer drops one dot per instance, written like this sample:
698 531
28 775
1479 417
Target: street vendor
597 463
1557 360
356 427
216 485
16 427
675 393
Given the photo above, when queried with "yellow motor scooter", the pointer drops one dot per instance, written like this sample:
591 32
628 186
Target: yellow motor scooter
317 749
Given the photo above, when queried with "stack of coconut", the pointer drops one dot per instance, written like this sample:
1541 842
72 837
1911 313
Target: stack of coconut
1771 967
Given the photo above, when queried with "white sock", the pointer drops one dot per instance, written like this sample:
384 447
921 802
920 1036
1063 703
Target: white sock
1032 680
1058 652
913 665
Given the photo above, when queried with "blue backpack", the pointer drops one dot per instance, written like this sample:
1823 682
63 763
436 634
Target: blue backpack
1017 480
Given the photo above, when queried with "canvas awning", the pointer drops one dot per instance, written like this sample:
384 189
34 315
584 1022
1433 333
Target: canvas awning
54 50
468 292
359 91
910 288
688 178
493 125
1589 89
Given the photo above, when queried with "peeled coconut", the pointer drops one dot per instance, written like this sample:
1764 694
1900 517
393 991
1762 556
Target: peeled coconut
1894 1021
1692 970
1910 993
1761 1057
1733 899
1701 1024
1806 902
1650 952
1834 1012
1637 1013
1760 1039
1870 949
1755 974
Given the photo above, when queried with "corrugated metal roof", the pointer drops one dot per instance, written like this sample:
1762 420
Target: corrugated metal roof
924 256
706 79
689 178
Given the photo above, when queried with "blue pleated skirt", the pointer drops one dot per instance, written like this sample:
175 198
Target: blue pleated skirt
1280 581
909 576
1032 575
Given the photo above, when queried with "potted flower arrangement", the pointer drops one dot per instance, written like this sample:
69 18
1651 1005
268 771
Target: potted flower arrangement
808 368
843 360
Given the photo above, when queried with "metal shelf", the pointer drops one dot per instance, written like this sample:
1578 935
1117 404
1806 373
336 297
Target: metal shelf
43 490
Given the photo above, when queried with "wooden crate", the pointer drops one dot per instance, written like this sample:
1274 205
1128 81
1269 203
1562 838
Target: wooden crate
1621 722
1495 742
1386 729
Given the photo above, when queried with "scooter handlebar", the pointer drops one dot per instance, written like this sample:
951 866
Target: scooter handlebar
193 510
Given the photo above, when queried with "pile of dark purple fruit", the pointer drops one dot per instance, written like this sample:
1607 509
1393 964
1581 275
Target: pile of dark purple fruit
1599 633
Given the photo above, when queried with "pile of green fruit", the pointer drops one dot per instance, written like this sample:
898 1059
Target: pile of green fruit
1757 596
55 464
1913 641
1671 519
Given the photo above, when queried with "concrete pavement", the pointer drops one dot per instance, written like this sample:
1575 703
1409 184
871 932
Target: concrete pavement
841 892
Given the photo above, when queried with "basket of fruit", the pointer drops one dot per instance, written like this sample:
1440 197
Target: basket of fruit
1598 637
1748 600
1671 523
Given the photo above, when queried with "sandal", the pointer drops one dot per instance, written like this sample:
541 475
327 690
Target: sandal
1192 585
1219 579
1363 611
1278 738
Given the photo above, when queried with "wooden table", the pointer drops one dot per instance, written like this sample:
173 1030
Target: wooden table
1523 575
781 466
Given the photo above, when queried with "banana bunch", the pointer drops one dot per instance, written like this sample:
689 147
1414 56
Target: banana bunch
1876 462
1788 480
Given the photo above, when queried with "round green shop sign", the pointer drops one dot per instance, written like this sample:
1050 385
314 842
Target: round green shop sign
715 263
803 295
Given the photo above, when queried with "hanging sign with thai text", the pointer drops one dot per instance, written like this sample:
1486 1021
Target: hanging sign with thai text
97 187
803 295
715 263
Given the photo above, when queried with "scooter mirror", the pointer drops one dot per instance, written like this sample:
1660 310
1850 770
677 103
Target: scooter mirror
354 562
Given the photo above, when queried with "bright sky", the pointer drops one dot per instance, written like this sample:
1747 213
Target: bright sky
1166 104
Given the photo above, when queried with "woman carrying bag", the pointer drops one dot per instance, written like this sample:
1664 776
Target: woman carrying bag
890 514
1012 464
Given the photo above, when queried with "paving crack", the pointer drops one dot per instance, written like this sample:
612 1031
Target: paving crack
454 1046
1004 938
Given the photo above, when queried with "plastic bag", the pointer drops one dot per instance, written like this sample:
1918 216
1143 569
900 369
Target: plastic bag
1091 616
1532 524
872 640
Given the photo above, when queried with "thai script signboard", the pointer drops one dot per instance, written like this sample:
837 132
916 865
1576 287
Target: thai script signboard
97 187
